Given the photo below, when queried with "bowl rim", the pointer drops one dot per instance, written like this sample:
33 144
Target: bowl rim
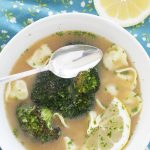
114 25
74 14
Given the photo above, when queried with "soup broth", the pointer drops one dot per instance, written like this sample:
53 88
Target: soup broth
78 126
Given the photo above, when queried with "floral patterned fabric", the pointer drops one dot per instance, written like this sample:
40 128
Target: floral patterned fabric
16 14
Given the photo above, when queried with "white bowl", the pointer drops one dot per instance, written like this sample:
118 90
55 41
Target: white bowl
83 22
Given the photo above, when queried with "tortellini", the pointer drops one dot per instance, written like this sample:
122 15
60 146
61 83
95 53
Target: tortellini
111 89
115 58
133 103
69 144
94 121
40 57
17 90
61 119
100 104
129 76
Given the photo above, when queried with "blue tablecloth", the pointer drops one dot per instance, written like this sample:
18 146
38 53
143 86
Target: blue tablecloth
16 14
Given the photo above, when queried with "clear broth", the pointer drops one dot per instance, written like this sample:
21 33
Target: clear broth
78 127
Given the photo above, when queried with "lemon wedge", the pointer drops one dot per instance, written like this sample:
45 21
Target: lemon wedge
113 131
124 12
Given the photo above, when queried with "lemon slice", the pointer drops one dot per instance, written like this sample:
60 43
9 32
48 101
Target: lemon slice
113 131
124 12
133 103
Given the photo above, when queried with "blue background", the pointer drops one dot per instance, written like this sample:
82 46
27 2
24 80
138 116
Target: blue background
15 15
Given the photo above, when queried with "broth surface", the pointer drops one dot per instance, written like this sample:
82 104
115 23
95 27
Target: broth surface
77 127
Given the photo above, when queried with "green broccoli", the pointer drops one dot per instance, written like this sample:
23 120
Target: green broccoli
76 105
37 123
70 97
48 90
87 81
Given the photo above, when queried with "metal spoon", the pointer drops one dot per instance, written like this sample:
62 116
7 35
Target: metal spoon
66 62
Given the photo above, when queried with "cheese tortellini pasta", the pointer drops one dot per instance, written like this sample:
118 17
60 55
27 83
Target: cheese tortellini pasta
17 90
133 103
61 118
101 106
129 77
115 58
70 145
111 89
40 57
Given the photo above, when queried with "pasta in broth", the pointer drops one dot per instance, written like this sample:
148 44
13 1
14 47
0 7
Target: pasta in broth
97 127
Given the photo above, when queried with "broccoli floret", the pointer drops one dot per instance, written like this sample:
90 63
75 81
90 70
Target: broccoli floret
37 123
87 81
76 105
70 97
48 89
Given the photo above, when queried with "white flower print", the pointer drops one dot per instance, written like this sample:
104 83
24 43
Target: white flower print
50 13
82 4
12 20
4 31
135 35
2 46
15 6
37 10
71 2
30 20
143 38
90 1
148 45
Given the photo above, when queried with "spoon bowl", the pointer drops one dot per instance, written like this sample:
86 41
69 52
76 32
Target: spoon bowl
68 61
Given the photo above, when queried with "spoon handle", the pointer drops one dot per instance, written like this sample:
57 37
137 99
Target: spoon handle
22 75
